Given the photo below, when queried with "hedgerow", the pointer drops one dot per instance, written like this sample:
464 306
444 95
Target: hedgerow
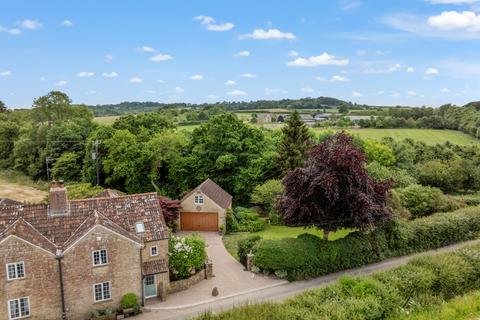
424 283
308 256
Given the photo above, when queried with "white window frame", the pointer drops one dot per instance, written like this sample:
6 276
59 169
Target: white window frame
102 284
21 316
151 251
15 264
198 199
101 263
139 227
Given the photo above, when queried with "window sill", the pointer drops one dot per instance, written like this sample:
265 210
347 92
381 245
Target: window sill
18 279
103 301
101 265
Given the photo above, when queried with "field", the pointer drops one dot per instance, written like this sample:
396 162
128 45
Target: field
106 120
428 136
276 232
18 187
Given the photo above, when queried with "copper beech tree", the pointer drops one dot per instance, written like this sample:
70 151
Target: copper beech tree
333 190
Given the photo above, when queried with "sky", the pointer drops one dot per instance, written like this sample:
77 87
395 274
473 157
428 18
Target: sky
382 52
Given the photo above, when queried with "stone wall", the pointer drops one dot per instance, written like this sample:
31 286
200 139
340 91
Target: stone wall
181 285
41 282
123 271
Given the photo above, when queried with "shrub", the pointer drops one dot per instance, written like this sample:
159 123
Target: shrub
187 255
129 300
83 190
309 256
244 220
415 287
400 177
245 246
422 200
266 194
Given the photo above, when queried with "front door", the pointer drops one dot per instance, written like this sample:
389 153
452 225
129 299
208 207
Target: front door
150 286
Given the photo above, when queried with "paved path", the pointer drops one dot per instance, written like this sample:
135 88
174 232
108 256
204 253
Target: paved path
281 292
230 279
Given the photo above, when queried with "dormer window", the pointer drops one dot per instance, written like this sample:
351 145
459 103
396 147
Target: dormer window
154 251
139 227
198 199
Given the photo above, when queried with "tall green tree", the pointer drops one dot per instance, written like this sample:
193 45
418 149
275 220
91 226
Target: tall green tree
3 107
295 144
51 108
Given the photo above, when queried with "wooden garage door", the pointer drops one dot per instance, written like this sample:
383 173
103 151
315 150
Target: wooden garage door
199 221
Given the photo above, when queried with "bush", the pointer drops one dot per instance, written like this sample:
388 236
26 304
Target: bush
129 300
244 220
308 256
245 246
83 190
400 177
187 255
421 284
266 194
422 200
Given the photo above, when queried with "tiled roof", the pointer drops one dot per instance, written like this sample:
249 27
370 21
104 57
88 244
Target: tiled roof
26 231
214 192
154 267
119 214
108 193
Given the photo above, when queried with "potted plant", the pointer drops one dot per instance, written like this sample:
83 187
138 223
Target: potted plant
129 304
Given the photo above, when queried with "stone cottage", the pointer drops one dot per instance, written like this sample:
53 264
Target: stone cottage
66 258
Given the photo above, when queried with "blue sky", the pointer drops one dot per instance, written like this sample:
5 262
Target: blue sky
415 52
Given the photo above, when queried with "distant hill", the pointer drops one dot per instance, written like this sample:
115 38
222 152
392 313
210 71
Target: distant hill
149 106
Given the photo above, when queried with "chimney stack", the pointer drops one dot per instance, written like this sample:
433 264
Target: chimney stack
58 199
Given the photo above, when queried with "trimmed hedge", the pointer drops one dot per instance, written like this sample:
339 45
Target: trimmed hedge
308 256
245 246
423 283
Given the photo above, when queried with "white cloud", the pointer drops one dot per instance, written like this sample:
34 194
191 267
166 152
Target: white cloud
236 93
161 57
212 97
60 83
112 74
229 83
30 24
356 94
445 90
410 69
160 81
390 69
108 57
5 73
339 78
293 53
43 79
451 20
270 91
204 19
361 52
220 27
196 77
248 75
322 60
179 89
85 74
411 93
270 34
12 31
146 49
451 1
335 78
209 22
135 80
380 93
90 92
307 90
66 23
431 72
244 53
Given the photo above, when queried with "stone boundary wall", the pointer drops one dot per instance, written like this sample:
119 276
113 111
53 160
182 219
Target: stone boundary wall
181 285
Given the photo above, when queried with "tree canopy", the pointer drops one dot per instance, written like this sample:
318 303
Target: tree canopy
333 190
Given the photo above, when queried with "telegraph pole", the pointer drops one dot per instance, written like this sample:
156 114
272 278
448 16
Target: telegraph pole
47 168
96 157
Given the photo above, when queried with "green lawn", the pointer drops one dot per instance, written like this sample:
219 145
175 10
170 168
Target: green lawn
108 120
428 136
276 232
